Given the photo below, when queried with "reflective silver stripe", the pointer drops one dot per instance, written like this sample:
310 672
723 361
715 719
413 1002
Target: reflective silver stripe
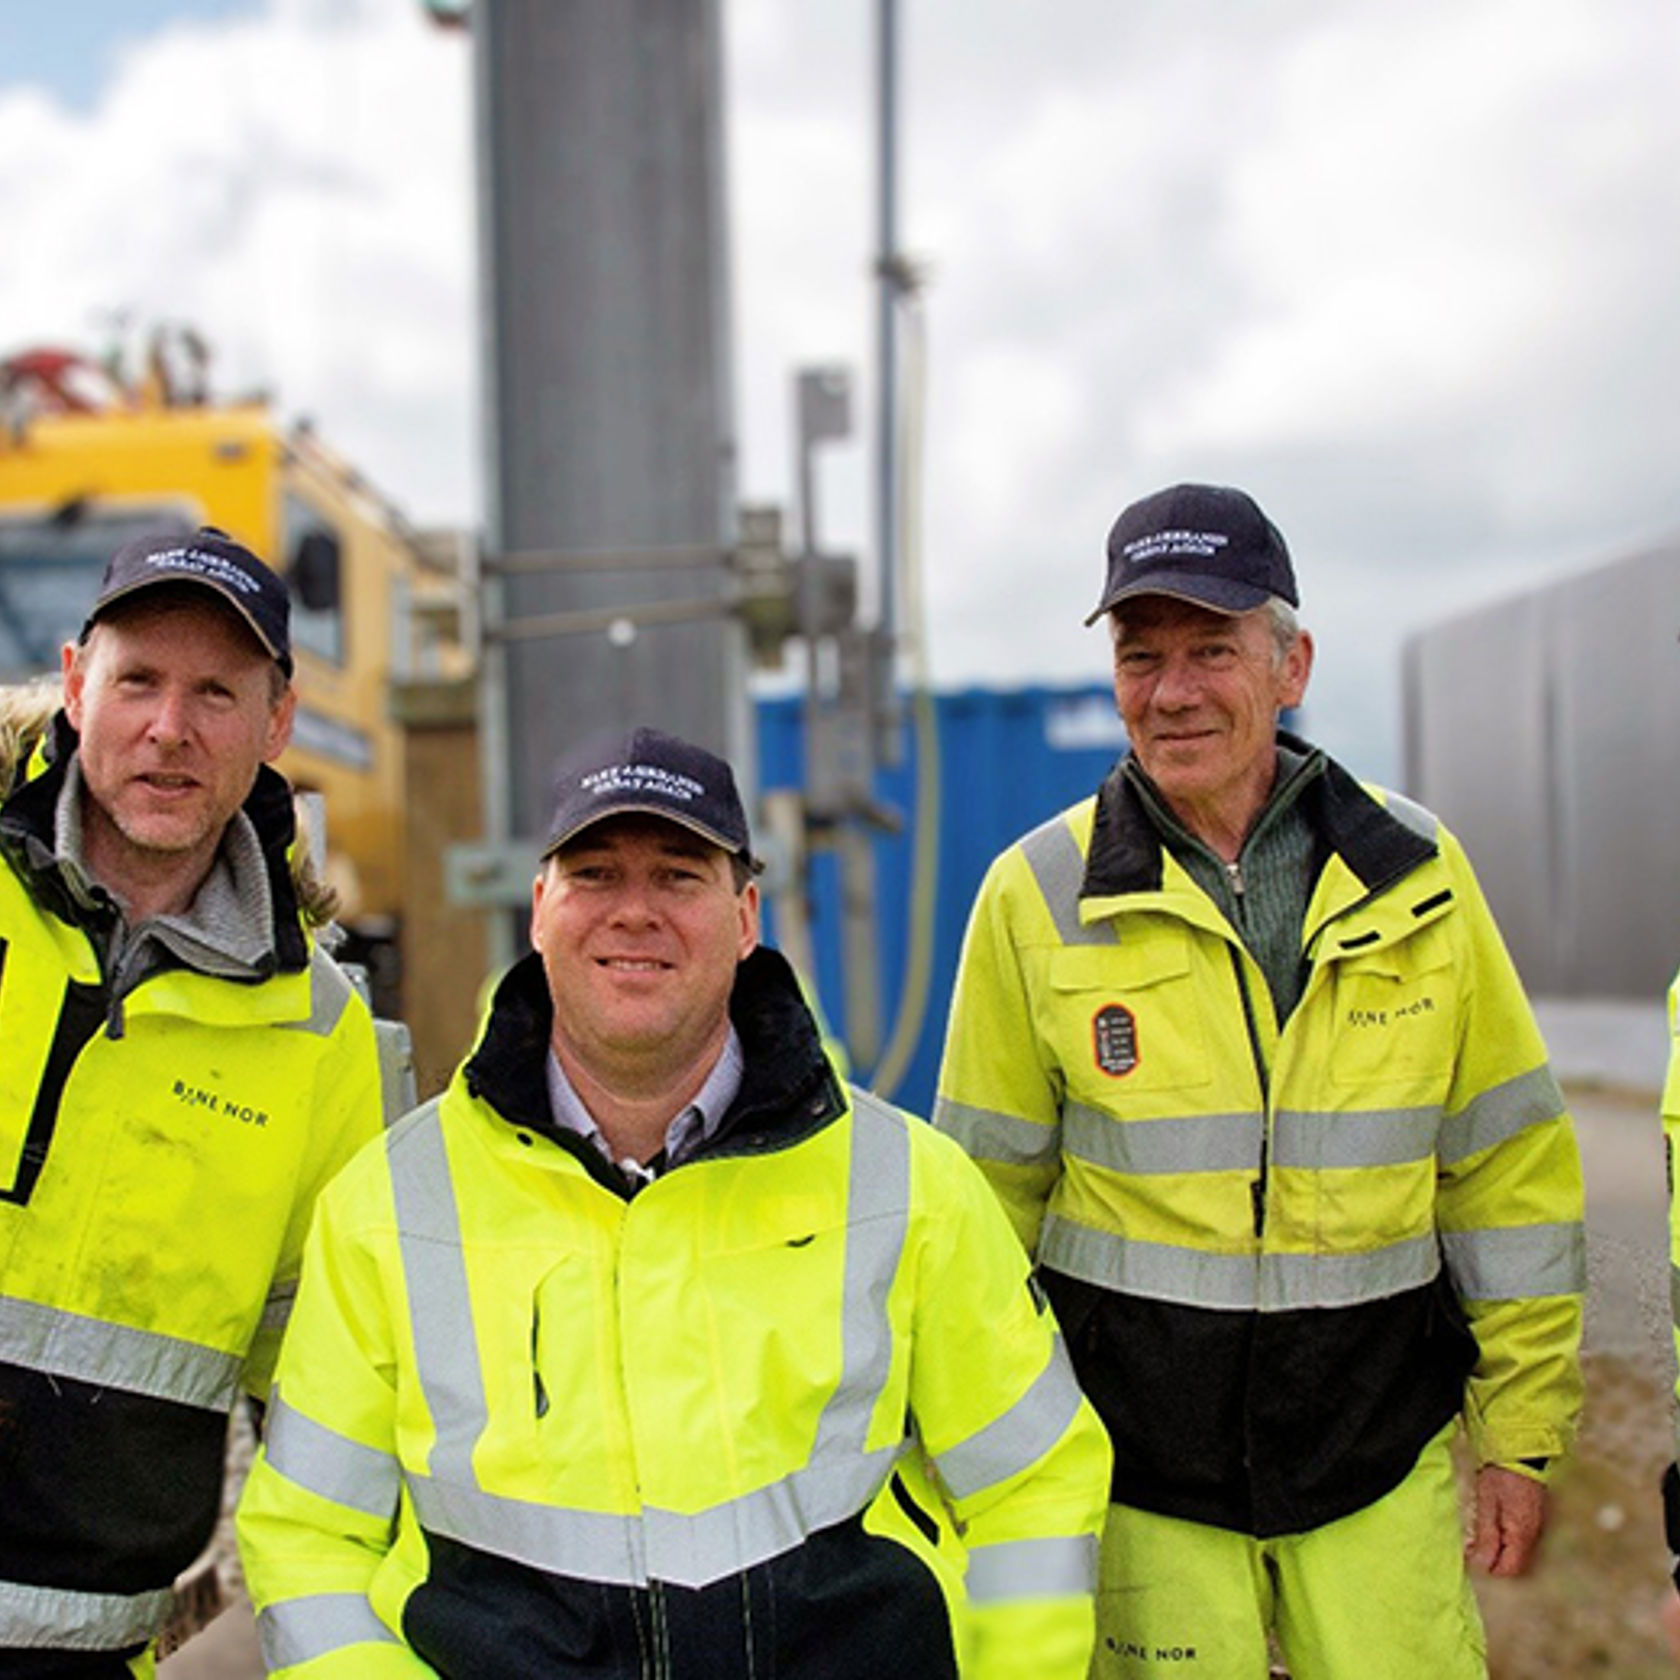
684 1550
439 1303
330 1464
877 1218
49 1617
1236 1282
1291 1281
301 1629
587 1545
67 1344
1501 1113
989 1135
329 994
838 1481
1058 866
1156 1271
277 1309
1674 1307
1021 1437
1414 816
1176 1144
1517 1262
1231 1142
1367 1137
694 1551
1060 1567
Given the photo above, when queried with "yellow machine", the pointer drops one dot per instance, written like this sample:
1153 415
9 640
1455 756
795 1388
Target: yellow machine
87 462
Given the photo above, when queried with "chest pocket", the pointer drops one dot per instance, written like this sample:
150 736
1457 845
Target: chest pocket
1396 1016
1128 1018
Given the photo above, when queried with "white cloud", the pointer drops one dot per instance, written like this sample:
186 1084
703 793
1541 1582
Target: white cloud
1405 273
294 186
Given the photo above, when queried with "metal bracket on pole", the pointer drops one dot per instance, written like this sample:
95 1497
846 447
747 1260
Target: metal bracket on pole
763 592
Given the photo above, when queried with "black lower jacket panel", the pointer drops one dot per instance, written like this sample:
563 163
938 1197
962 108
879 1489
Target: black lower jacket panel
67 1665
844 1606
1267 1423
100 1490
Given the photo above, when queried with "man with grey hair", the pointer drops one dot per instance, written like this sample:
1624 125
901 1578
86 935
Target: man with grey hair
1240 1048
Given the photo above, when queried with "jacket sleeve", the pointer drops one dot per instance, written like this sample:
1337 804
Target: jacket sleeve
344 1111
1510 1206
999 1096
1021 1455
318 1516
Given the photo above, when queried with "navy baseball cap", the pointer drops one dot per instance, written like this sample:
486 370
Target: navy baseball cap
214 561
1202 543
647 771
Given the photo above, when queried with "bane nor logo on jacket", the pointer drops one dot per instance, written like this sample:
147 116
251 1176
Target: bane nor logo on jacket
196 1096
1114 1039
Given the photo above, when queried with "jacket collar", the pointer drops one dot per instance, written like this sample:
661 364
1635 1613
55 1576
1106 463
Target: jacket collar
788 1090
27 837
1127 852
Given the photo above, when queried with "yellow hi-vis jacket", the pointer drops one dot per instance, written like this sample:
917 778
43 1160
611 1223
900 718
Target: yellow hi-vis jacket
528 1422
1671 1148
159 1154
1283 1259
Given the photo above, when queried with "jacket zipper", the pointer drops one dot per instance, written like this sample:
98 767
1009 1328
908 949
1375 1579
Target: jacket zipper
1257 1189
661 1631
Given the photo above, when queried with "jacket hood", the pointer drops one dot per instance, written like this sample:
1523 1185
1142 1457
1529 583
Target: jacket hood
1127 850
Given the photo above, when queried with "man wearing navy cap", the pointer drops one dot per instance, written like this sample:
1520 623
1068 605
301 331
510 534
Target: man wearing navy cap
1239 1047
631 1354
182 1067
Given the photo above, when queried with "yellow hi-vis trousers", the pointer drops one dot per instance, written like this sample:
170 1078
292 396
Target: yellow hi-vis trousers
1378 1595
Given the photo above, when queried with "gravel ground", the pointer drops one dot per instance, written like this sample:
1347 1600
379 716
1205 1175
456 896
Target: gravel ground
1592 1605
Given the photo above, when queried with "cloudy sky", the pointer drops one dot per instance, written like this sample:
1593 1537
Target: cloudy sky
1410 273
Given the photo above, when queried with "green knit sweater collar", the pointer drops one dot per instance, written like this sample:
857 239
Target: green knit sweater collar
1264 894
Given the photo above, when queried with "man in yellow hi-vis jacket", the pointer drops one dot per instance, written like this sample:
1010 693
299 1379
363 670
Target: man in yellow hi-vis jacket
650 1349
1671 1146
182 1067
1239 1046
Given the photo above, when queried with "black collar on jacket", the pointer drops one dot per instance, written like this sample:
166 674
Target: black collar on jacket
27 837
1127 850
788 1090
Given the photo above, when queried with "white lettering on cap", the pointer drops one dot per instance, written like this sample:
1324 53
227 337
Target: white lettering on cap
1177 545
642 778
205 565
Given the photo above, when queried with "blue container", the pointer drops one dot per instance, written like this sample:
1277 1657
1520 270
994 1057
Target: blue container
1008 759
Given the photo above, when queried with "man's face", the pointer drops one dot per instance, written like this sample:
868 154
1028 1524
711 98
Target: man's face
176 706
1199 693
640 927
